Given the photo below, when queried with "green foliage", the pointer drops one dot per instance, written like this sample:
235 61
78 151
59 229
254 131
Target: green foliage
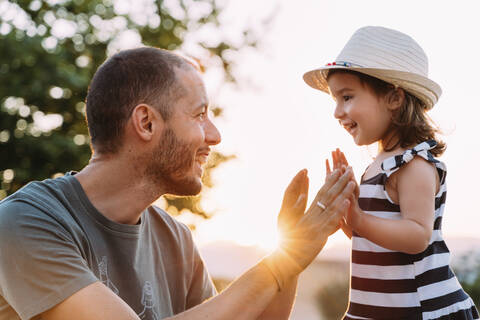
333 299
49 51
468 274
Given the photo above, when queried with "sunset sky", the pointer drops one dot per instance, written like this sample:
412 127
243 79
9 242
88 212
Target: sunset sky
276 125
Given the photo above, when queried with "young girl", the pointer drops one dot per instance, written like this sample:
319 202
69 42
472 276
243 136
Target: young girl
400 263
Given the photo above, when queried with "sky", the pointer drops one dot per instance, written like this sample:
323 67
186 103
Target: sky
276 125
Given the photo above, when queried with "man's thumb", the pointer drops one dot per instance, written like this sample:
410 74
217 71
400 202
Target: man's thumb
300 201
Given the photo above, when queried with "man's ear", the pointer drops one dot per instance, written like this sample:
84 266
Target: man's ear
145 121
396 98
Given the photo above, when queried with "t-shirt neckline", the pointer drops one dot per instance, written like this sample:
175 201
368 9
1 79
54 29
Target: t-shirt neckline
110 225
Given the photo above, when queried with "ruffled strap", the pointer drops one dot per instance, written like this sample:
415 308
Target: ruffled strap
392 164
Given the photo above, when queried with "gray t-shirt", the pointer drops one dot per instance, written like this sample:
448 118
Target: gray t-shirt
53 242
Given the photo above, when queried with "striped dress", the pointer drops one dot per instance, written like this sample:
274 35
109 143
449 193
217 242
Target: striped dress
386 284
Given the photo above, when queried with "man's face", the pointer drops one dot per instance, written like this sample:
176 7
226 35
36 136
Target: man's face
184 145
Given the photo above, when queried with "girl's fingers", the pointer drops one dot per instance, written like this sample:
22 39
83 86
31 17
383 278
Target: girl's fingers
335 160
327 165
343 159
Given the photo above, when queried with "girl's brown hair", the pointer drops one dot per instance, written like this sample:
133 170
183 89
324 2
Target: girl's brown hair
410 122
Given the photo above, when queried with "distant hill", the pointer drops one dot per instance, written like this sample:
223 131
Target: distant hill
229 260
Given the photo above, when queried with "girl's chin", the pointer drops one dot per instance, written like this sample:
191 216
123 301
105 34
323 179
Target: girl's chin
360 142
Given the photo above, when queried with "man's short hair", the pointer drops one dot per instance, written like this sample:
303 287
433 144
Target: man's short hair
128 78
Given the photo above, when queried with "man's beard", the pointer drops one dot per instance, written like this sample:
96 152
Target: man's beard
171 166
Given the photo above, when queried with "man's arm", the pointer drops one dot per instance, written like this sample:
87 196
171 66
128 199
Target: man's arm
282 303
251 294
246 298
95 301
293 207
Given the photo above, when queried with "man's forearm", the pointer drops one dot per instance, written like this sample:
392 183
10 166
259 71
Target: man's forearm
246 298
282 304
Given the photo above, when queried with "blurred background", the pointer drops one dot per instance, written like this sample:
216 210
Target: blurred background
254 54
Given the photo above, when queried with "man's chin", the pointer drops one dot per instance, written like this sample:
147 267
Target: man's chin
187 187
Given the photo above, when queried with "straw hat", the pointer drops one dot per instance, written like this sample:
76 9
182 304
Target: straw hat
386 54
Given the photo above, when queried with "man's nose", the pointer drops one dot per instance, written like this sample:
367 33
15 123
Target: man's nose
212 135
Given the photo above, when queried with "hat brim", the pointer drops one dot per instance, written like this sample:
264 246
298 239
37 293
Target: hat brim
423 88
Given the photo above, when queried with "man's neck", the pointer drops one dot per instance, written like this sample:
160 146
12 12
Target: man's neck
116 189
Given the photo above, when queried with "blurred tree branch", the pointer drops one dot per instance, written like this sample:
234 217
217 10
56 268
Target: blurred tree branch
49 51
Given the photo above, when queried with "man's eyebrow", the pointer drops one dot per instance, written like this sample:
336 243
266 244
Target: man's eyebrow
202 106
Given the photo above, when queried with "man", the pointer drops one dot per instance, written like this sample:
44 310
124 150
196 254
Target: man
89 245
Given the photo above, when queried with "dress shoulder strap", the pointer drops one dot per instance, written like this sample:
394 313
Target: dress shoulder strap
392 164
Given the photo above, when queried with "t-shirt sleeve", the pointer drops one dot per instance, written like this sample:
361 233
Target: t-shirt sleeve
40 262
202 287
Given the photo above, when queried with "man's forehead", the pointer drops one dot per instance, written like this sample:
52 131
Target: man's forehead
192 87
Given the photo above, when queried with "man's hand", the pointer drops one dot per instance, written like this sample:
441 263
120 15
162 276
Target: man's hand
304 239
294 202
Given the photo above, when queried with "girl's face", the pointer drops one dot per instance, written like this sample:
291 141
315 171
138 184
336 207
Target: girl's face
359 110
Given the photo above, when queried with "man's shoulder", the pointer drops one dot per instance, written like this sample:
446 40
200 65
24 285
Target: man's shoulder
37 198
168 223
39 190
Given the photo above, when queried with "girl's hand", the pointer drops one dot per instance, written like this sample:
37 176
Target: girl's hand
353 218
340 162
354 213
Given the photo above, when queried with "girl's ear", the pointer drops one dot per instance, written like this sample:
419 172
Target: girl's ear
396 98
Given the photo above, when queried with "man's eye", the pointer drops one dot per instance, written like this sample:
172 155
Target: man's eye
202 115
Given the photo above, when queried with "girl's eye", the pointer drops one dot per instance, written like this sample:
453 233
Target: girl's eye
346 98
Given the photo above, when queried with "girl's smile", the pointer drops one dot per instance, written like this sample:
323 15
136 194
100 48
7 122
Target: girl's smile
348 125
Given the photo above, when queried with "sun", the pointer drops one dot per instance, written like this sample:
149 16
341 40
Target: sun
267 241
236 230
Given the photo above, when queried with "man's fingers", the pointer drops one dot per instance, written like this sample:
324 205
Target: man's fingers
331 179
301 198
332 187
327 166
295 188
294 201
337 209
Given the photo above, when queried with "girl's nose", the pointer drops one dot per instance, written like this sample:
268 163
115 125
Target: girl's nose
339 111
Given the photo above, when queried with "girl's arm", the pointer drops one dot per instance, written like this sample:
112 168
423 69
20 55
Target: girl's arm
416 187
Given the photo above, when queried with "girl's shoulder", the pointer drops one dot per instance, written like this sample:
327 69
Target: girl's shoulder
419 156
413 170
415 166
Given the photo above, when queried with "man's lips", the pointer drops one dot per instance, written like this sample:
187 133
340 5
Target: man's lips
202 157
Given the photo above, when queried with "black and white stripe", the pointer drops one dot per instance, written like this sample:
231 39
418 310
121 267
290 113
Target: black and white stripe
386 284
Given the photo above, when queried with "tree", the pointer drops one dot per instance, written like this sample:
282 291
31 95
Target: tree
332 299
468 274
49 51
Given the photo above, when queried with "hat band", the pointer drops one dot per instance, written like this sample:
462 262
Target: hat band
343 64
